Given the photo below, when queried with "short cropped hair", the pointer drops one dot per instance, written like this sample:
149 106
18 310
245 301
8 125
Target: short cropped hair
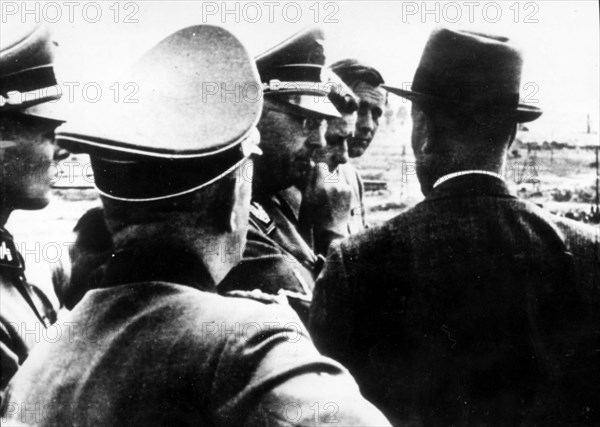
352 70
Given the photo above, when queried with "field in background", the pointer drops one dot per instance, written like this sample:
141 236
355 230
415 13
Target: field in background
561 180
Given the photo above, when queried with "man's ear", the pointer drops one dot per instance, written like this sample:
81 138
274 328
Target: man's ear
226 215
428 135
240 197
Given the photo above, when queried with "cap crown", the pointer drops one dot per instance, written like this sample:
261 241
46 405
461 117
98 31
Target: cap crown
27 75
293 71
198 93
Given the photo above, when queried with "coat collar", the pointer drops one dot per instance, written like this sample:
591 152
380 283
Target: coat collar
158 261
471 185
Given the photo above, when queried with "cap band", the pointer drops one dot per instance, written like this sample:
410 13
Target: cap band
19 100
115 181
29 79
282 87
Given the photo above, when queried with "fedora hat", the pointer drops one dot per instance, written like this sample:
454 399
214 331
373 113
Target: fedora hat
193 120
27 79
463 70
293 72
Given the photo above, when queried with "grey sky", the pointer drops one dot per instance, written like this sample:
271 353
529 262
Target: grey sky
561 48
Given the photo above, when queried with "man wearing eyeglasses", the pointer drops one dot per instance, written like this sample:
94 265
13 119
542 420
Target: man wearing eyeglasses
278 259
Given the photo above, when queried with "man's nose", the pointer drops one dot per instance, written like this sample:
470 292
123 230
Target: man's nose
366 123
341 153
316 139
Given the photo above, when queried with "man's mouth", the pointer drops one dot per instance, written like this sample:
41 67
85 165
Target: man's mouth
358 141
303 166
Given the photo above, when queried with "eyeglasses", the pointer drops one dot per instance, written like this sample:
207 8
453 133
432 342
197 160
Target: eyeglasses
312 124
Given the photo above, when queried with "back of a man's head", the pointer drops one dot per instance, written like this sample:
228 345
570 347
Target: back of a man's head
174 168
207 209
470 127
446 141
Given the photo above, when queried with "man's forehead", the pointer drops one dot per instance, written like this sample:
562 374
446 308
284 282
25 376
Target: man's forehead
368 93
345 123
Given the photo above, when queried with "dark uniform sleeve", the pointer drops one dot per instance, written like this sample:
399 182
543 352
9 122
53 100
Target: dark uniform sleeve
331 312
265 266
275 377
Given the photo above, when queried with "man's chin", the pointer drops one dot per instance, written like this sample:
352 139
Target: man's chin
33 203
356 151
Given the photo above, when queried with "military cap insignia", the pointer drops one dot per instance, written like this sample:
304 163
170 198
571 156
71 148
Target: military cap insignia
293 72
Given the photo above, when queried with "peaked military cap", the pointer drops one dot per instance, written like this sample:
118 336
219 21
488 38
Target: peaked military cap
27 79
193 120
293 72
463 69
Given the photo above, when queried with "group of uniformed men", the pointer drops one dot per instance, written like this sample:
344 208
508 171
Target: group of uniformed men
204 280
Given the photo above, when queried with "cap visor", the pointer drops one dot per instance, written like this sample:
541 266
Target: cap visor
316 105
54 110
527 113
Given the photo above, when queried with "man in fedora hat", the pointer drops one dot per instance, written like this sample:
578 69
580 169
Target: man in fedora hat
27 123
153 343
279 257
473 307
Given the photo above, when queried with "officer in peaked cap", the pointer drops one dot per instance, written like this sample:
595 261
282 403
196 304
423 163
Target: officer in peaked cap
297 93
27 123
167 349
293 73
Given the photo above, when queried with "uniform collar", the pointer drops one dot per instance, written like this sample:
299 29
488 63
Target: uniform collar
470 185
161 261
466 172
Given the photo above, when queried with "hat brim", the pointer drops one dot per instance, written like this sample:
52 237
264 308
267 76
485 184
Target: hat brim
522 113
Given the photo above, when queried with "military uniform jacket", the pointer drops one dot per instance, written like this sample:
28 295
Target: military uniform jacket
277 259
473 307
157 353
24 310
